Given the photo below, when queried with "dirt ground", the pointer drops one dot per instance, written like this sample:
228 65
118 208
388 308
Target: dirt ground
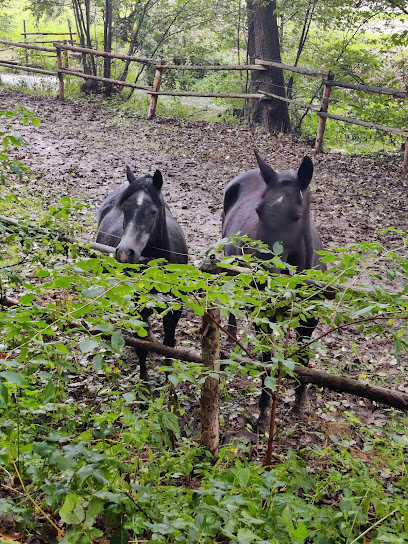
81 149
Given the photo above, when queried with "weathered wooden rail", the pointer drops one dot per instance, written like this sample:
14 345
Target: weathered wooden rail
155 91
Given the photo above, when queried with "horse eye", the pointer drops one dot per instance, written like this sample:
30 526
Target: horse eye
296 217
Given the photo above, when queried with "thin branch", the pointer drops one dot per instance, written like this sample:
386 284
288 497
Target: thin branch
275 397
60 532
348 324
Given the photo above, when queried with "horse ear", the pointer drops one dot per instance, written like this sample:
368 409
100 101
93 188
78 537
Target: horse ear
130 175
267 172
305 172
157 180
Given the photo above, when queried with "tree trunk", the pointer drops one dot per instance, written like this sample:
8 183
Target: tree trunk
107 45
135 37
250 105
273 113
305 32
83 24
210 391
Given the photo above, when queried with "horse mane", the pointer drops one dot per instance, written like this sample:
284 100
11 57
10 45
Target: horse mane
144 184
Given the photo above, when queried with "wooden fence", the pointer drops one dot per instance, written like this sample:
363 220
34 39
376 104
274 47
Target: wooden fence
155 91
56 36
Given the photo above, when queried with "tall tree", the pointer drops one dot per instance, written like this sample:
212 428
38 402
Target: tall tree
273 113
107 43
83 24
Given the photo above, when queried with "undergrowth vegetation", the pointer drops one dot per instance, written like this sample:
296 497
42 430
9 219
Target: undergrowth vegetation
90 454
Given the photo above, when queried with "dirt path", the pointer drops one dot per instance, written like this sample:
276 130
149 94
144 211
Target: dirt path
82 149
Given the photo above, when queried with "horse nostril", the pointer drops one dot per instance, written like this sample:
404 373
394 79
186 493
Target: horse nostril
122 255
131 258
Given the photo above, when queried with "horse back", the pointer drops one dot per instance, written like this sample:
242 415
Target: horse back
110 222
177 241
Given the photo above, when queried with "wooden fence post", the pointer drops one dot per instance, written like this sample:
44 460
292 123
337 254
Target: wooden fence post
210 391
66 56
322 120
71 37
156 87
405 167
25 39
60 74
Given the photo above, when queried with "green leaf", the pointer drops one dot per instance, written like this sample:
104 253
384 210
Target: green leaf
26 299
300 533
86 346
61 348
338 319
43 449
71 511
42 273
174 380
35 121
97 362
95 507
242 474
246 536
363 311
129 397
13 377
99 477
4 394
170 421
270 383
93 292
84 473
277 248
117 341
49 391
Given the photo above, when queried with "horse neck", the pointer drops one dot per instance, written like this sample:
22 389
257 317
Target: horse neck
159 241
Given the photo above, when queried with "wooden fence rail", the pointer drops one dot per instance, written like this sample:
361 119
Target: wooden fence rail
28 69
28 46
97 53
260 64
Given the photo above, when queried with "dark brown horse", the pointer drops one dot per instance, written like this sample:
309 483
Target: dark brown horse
275 207
137 221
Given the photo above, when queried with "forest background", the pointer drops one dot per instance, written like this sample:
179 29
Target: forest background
359 42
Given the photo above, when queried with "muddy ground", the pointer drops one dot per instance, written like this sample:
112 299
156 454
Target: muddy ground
81 149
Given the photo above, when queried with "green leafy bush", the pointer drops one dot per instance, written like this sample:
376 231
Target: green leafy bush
13 139
88 454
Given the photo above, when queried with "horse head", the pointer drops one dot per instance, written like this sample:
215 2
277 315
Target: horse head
143 212
284 208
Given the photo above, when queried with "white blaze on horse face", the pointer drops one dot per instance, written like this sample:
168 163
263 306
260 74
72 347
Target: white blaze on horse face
278 200
301 195
140 198
132 241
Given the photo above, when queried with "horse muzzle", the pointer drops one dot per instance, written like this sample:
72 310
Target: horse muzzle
127 255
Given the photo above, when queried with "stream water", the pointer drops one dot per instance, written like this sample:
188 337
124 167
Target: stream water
201 108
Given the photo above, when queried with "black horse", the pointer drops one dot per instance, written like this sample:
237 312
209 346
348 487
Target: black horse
137 221
275 207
